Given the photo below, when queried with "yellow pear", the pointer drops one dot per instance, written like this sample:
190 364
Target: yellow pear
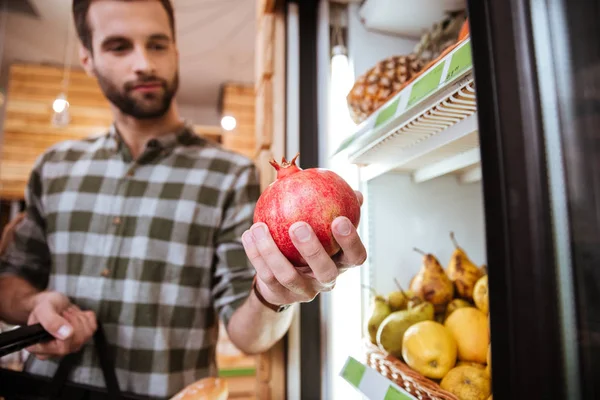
431 283
380 309
429 348
462 271
488 367
483 269
467 383
472 364
470 329
480 294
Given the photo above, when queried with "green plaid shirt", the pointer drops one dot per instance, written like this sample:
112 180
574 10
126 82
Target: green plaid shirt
152 245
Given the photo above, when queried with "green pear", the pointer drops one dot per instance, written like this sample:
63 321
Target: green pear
398 299
391 330
379 311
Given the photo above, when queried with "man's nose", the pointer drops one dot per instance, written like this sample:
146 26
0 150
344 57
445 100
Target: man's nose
142 62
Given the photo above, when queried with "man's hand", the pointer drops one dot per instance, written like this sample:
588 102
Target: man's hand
70 326
280 282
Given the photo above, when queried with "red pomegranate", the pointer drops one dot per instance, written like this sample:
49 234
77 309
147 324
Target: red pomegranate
314 195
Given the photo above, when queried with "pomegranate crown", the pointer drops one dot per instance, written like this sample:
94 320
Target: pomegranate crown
286 167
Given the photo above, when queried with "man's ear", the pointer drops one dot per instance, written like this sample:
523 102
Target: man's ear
86 59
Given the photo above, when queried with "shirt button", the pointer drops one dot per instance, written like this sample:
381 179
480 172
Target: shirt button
105 272
116 220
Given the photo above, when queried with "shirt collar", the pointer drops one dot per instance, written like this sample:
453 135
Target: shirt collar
164 142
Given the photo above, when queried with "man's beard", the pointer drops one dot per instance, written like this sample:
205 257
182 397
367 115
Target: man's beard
124 101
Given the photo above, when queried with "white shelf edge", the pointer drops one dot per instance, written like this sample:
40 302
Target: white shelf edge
404 115
471 176
371 383
447 166
455 132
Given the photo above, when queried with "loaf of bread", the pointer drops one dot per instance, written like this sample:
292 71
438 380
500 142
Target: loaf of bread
204 389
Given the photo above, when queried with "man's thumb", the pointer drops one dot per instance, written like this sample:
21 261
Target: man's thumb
56 325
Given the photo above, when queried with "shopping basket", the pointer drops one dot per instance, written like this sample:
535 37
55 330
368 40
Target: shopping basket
17 385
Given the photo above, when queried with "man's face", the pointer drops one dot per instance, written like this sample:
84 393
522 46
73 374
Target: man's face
134 56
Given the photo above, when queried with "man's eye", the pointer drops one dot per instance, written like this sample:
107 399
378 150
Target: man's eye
157 46
118 48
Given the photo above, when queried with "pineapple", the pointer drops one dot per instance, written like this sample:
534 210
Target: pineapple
380 83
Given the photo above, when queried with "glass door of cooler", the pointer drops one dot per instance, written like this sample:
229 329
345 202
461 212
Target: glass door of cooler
537 74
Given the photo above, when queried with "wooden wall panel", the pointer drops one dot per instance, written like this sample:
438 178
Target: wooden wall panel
270 143
28 128
239 102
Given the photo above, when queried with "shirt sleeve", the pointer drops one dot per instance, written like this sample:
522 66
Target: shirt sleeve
28 256
233 274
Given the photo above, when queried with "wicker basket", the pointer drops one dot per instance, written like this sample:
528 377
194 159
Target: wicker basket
404 376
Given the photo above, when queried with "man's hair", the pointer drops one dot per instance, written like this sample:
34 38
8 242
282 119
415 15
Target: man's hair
80 11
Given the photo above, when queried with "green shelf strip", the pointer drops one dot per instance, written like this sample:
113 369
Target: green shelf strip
425 86
394 394
461 61
354 372
387 113
371 383
236 372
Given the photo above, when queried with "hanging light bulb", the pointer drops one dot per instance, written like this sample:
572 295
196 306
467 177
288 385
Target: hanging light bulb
60 103
61 115
228 123
341 73
341 82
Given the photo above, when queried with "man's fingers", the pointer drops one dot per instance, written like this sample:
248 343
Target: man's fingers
88 322
312 251
262 270
353 250
92 323
265 275
84 323
52 348
276 262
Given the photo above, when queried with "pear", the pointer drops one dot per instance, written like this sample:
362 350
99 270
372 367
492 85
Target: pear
379 311
462 271
431 283
480 294
426 309
398 300
439 317
483 269
455 305
391 331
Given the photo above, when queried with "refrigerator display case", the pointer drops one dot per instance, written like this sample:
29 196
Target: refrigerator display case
494 141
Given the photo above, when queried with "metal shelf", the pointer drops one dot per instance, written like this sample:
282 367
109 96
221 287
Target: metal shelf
428 130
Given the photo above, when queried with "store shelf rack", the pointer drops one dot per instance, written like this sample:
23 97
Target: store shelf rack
429 129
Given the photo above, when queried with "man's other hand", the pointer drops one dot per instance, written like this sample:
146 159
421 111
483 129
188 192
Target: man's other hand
70 326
